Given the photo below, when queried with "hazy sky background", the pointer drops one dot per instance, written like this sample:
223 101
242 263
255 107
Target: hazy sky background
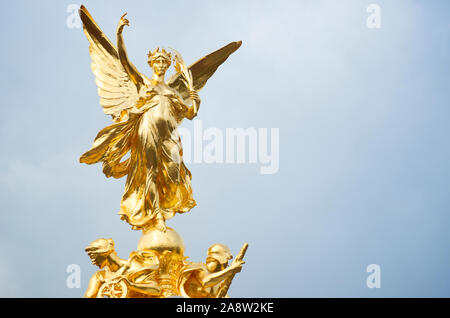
364 123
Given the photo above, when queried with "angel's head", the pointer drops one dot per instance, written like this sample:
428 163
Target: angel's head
159 61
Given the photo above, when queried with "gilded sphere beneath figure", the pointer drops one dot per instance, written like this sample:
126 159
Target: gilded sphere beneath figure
159 241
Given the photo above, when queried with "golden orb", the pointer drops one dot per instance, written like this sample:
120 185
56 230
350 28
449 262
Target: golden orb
159 241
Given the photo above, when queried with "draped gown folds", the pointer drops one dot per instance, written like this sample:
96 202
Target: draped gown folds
157 181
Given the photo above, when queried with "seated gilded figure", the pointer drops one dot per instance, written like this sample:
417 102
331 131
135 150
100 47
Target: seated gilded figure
211 280
119 278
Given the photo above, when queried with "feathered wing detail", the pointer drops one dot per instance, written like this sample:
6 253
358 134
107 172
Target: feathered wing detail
203 69
117 91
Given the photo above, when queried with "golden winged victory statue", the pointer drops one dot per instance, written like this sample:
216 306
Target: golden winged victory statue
146 113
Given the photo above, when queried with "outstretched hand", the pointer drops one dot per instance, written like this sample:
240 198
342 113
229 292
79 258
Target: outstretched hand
122 23
237 265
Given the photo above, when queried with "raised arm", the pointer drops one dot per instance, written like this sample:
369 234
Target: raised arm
131 70
212 279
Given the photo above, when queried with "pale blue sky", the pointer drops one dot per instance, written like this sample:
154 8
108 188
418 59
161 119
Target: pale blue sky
364 122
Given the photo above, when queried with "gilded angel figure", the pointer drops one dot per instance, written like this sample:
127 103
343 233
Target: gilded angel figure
146 113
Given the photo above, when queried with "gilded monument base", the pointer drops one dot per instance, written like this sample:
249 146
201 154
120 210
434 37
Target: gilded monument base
159 269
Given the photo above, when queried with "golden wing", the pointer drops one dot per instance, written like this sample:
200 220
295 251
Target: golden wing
117 91
203 69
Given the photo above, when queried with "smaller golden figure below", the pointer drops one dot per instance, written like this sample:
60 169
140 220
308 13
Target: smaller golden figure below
158 269
119 278
211 280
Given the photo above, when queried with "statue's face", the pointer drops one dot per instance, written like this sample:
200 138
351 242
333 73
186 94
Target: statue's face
100 261
211 265
219 252
160 66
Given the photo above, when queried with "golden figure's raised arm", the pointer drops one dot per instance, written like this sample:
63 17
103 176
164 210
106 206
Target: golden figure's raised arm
213 279
133 73
118 90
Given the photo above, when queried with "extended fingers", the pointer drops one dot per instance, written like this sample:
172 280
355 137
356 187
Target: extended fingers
124 21
194 94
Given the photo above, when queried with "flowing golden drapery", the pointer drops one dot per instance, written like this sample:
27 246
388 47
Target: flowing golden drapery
158 180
